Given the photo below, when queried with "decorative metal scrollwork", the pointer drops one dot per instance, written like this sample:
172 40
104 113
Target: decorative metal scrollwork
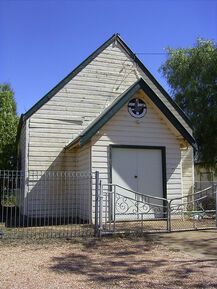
121 204
126 205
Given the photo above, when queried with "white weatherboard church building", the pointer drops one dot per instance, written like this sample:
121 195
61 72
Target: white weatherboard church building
108 115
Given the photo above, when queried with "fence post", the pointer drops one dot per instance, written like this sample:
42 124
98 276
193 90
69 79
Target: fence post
168 216
100 208
96 229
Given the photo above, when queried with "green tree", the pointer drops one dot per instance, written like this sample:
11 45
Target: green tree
192 76
8 128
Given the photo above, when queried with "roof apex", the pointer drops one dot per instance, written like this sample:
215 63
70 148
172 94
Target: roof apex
70 76
62 83
73 73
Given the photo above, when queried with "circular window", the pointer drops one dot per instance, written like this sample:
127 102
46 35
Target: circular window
137 107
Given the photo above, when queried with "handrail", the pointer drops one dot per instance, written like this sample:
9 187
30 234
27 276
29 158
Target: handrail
135 192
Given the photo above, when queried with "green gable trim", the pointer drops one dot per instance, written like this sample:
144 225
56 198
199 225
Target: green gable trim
108 113
104 117
72 74
63 82
169 115
156 83
119 103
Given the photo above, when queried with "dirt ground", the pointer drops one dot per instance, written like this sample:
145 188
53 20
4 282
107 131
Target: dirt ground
170 261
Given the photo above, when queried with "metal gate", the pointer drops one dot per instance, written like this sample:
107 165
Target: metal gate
121 212
60 204
195 211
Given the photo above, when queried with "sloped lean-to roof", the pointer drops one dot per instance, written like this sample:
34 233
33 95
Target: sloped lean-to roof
71 75
119 102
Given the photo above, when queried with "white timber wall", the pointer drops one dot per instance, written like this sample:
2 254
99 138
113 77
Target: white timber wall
83 182
151 130
75 106
47 139
187 171
51 194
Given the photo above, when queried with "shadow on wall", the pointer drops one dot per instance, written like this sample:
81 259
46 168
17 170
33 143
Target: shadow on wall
58 195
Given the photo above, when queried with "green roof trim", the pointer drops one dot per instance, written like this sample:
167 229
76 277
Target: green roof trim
156 83
114 37
119 102
72 74
62 83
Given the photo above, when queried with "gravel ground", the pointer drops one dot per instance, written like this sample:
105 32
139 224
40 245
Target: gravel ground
134 263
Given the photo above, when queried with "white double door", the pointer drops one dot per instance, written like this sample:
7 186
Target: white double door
139 170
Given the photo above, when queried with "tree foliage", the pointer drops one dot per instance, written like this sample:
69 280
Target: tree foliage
8 128
192 76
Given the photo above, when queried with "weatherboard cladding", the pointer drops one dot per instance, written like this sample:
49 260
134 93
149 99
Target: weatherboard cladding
83 184
117 40
119 102
150 131
72 105
187 171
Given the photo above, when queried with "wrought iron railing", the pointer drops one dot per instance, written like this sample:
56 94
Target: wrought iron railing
124 210
131 210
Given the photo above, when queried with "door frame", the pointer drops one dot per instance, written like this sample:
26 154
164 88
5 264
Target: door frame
163 160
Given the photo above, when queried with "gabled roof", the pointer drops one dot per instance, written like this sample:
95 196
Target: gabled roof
118 103
63 82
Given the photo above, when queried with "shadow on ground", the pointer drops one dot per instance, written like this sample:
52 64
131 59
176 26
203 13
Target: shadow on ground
153 261
202 244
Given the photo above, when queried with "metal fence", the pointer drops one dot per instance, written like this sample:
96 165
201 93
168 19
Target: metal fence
195 211
125 210
121 210
45 204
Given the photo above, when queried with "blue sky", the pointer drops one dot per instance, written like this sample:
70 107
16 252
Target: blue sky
42 41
